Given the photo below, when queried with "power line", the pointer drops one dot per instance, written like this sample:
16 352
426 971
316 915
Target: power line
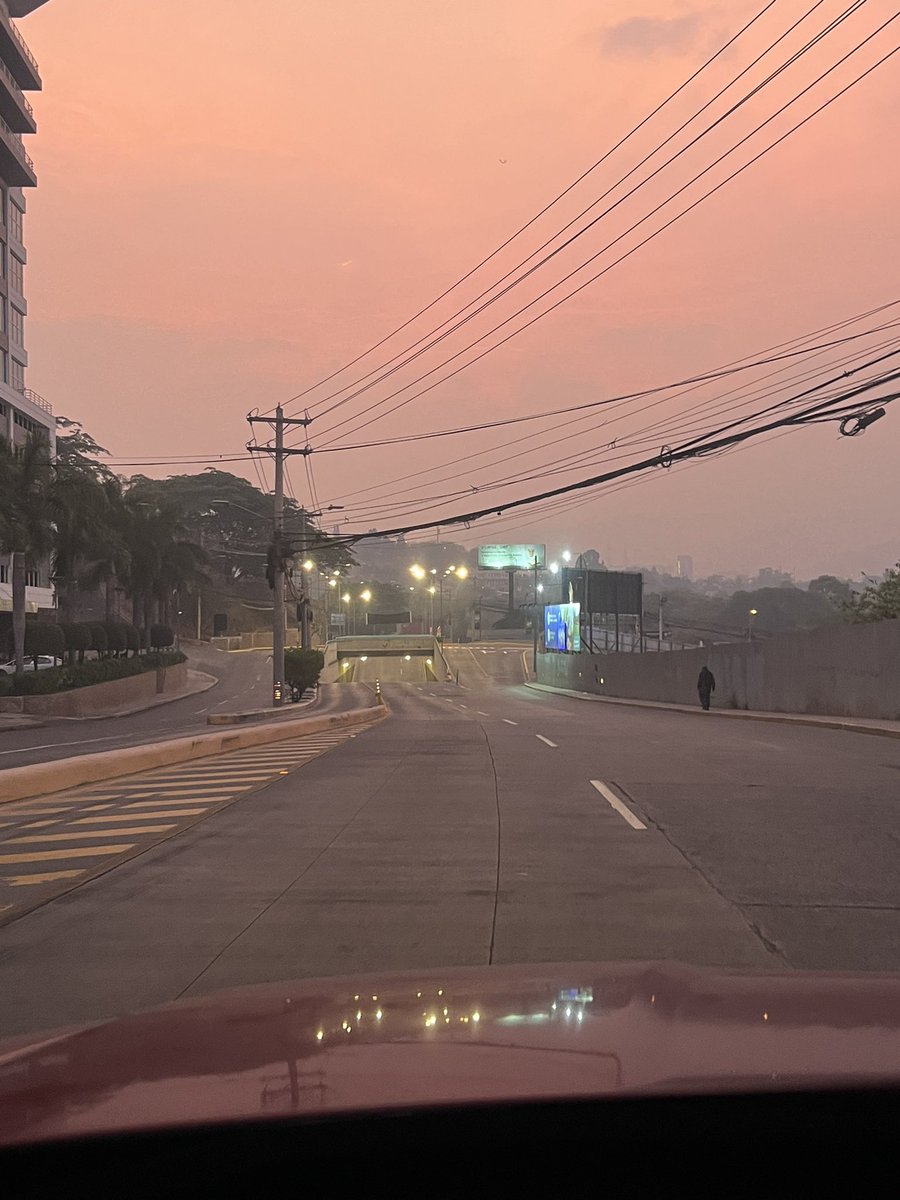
650 237
665 459
560 196
434 338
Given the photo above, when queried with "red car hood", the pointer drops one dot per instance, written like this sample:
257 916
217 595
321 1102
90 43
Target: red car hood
451 1036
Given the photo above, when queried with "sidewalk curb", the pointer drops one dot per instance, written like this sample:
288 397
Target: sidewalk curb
732 714
251 714
41 779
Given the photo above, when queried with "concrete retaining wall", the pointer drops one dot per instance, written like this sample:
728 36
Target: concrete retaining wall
844 670
100 698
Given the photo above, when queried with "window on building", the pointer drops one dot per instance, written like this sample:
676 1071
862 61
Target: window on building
16 325
3 328
4 573
16 223
2 206
32 579
2 260
17 375
4 365
16 274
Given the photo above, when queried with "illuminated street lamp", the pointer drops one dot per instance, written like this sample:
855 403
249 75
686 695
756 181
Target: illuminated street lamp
417 571
365 596
332 583
566 555
308 565
750 615
554 568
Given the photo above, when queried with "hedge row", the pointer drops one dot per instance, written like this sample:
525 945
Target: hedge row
101 670
108 637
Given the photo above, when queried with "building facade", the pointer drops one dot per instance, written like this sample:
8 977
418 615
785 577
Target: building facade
23 412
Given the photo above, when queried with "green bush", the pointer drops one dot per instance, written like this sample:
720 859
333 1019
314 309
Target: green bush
116 638
98 637
6 685
161 636
40 683
132 638
78 639
43 638
302 667
100 670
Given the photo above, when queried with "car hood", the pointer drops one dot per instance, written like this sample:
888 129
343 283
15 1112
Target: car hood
452 1036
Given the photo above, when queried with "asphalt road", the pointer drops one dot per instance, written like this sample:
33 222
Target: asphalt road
481 823
244 682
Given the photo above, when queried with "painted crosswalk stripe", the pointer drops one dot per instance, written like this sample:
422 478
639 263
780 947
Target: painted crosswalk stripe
619 805
43 877
171 812
43 838
41 824
144 816
69 852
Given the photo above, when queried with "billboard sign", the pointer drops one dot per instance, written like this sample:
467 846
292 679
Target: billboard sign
562 628
337 620
603 591
511 558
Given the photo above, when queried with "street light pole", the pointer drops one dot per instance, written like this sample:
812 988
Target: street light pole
278 590
662 601
534 628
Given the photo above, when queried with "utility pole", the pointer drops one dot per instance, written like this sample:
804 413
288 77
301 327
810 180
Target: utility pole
534 622
662 601
278 544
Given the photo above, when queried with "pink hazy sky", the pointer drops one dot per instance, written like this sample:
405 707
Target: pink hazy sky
236 198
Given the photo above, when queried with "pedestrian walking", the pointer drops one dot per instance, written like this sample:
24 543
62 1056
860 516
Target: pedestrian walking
706 685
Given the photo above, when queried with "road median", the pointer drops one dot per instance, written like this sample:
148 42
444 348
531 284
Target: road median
42 779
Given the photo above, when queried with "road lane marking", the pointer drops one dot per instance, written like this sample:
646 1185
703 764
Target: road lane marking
621 808
482 714
44 877
463 705
43 838
540 737
41 824
97 807
55 745
71 852
508 721
124 816
40 812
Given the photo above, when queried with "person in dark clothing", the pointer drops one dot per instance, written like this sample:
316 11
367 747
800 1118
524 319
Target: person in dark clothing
706 685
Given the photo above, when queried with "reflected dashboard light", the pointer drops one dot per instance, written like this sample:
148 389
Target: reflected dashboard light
476 1016
320 1033
580 1014
358 1015
379 1015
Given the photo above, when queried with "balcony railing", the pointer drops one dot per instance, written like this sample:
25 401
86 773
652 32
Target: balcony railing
23 45
38 400
17 144
17 91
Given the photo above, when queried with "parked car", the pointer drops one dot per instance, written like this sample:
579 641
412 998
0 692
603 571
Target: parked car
44 662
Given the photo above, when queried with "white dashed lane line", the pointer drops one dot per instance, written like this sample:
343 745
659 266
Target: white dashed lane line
508 721
540 737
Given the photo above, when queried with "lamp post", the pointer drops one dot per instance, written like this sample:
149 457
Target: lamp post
750 615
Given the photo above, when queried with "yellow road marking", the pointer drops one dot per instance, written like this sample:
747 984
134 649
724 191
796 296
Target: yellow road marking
44 877
71 837
71 852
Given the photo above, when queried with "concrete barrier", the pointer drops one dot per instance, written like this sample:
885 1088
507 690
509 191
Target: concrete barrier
42 779
841 670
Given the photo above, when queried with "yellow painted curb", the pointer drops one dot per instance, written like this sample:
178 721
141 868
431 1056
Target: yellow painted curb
41 779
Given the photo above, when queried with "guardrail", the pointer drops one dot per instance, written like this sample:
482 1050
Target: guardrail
17 143
14 87
38 400
23 45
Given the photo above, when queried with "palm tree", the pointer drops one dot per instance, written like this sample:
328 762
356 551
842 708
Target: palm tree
26 532
160 560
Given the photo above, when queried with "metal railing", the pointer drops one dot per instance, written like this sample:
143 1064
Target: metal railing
38 400
23 45
17 143
15 89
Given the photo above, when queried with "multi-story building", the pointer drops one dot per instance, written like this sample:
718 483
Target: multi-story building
23 413
684 566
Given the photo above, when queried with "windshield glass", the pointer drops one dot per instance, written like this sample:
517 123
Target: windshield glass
448 503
